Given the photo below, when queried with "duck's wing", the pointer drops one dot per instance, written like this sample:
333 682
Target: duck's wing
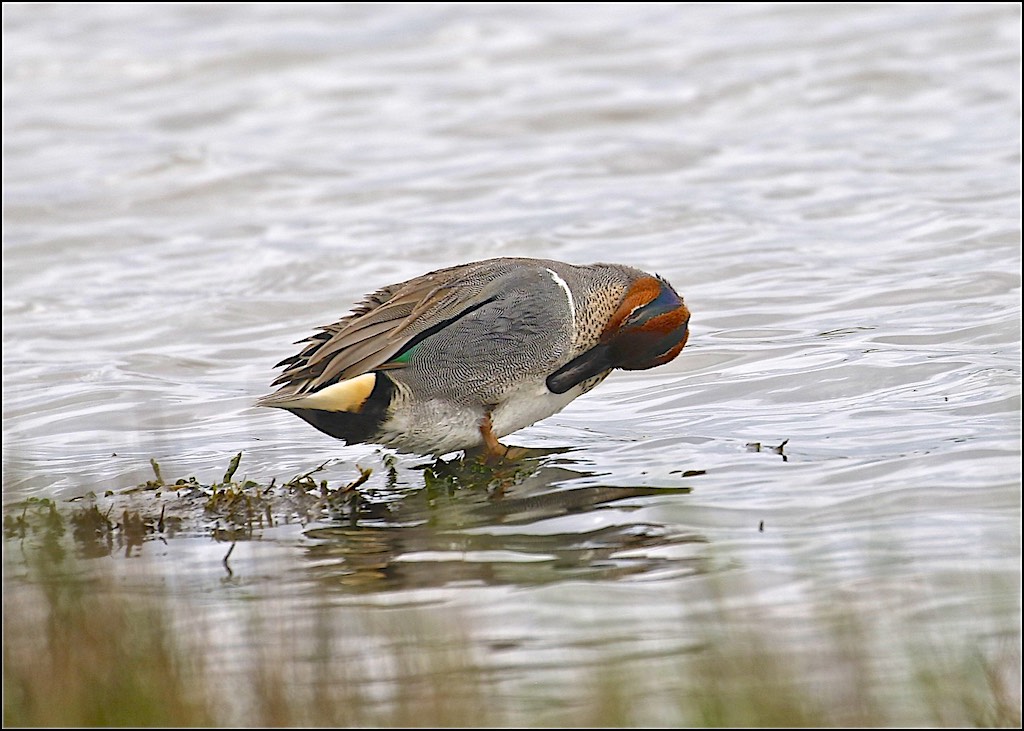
387 324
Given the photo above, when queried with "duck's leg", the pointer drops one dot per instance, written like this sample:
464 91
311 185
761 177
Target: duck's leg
493 450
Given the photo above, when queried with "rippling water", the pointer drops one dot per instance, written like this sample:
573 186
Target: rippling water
835 190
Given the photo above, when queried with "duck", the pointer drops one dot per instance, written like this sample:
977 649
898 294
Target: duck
458 358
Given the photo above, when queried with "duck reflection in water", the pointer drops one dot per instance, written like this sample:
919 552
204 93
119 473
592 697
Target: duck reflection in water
518 523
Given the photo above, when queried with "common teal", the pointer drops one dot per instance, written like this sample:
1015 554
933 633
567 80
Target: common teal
460 357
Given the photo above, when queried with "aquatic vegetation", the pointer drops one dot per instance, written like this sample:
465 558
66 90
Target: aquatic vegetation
230 508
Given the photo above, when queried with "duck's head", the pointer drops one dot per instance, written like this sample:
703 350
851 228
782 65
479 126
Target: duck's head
648 329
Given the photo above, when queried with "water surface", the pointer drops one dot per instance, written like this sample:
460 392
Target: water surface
834 189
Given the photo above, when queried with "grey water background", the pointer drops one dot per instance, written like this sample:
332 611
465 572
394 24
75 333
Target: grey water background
835 189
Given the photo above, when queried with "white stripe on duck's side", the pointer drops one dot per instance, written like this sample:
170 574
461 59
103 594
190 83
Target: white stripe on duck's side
568 295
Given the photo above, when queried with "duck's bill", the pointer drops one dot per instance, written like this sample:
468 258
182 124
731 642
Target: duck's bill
595 361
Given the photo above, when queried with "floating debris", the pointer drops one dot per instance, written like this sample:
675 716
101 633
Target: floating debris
757 447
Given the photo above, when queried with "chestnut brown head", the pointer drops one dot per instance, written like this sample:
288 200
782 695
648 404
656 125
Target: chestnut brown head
649 328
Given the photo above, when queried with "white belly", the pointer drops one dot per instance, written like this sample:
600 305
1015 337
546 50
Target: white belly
438 426
528 404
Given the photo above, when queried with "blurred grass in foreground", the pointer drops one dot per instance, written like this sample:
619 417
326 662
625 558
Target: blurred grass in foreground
83 648
86 653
